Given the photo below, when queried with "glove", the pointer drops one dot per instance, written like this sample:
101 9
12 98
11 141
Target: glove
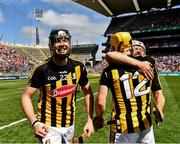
98 123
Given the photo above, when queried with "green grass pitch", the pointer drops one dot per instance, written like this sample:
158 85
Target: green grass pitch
21 132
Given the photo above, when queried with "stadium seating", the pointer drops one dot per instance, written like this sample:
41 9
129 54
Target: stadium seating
151 20
159 29
12 62
18 59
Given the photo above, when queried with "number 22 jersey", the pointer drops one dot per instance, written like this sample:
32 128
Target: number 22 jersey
57 86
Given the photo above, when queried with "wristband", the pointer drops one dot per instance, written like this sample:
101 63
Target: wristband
34 123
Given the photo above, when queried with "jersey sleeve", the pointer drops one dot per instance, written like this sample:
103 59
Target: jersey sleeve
156 83
151 60
83 79
104 79
34 79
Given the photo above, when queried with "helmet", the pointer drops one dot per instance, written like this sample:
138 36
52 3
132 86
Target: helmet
121 41
139 43
58 33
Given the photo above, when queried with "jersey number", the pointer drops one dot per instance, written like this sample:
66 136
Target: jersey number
137 92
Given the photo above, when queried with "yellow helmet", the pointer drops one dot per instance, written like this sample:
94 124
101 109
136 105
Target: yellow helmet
121 41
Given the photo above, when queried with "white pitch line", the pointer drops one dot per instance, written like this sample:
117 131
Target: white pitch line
13 123
24 119
83 97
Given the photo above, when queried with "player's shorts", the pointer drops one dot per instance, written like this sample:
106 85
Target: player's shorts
59 135
145 136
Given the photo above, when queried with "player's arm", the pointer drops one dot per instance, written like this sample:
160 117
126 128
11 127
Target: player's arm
40 129
143 67
157 91
100 103
100 106
89 104
26 100
159 100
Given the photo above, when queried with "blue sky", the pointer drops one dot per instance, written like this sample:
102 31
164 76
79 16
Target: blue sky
18 23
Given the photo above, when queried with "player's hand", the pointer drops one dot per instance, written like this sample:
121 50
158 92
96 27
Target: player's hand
40 130
88 128
145 68
158 115
98 123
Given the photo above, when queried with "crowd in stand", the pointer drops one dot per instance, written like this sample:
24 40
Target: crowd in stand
12 62
99 67
151 20
170 63
154 20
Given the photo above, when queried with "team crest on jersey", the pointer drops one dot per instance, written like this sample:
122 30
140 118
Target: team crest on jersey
63 91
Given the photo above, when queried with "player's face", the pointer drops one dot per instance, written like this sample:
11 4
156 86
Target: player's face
137 51
60 46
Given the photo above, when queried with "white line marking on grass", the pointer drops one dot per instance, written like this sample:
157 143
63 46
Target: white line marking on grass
13 123
83 97
24 119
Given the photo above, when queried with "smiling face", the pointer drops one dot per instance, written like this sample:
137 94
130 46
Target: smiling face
138 48
138 51
60 44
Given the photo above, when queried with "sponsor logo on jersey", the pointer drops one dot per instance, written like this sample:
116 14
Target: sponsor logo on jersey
63 91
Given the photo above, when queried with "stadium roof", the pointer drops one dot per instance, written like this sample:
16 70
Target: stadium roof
113 8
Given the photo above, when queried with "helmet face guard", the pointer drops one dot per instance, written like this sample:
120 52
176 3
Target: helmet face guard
54 37
121 41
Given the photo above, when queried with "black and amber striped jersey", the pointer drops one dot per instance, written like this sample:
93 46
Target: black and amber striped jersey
56 104
131 97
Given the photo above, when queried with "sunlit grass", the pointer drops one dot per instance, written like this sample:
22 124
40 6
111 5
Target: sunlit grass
11 111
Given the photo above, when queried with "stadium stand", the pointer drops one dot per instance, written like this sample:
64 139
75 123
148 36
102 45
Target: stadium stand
13 62
159 30
18 59
167 63
84 52
98 68
151 20
156 23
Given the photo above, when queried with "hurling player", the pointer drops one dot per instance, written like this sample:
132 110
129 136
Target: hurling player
139 50
131 106
57 79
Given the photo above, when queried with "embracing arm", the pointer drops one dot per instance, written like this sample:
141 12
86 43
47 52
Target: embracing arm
143 67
